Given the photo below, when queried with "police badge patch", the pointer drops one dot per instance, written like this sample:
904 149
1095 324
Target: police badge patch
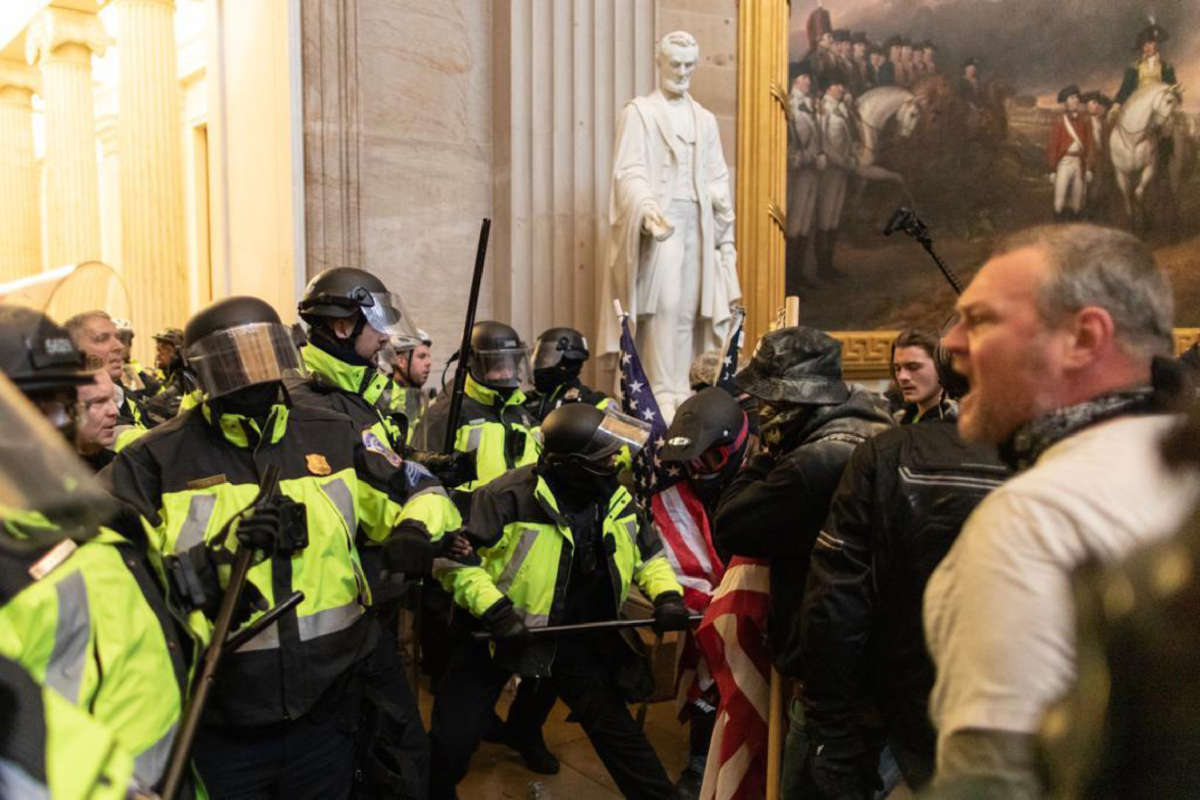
317 464
376 445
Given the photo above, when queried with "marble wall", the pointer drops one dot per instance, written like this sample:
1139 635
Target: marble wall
422 116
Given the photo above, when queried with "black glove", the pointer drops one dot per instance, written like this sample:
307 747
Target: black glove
503 621
458 547
409 551
670 614
259 529
192 576
451 469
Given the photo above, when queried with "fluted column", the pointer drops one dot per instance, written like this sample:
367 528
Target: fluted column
151 178
563 72
20 201
61 43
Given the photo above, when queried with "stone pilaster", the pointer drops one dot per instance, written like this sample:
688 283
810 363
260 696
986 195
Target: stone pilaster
60 43
150 165
110 189
20 200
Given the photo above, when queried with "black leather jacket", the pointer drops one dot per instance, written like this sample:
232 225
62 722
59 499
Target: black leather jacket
775 506
899 507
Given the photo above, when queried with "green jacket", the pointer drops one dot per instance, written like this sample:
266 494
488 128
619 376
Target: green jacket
95 628
500 432
526 546
348 491
365 395
59 752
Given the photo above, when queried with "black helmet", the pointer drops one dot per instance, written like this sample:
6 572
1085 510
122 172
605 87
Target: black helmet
37 354
499 359
558 344
173 336
342 292
707 419
586 438
238 342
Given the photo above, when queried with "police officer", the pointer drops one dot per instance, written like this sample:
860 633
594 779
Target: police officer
135 377
557 360
352 316
50 747
85 615
179 390
561 542
282 712
408 360
495 425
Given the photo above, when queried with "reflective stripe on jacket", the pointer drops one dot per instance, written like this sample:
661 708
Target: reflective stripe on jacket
499 431
191 475
526 546
96 630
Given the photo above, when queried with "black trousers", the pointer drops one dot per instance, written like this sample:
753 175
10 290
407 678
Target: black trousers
469 691
297 760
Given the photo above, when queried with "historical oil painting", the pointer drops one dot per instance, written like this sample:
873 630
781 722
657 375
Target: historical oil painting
982 117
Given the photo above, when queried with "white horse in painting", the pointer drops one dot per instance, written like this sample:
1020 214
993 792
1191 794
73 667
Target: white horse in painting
876 108
1143 123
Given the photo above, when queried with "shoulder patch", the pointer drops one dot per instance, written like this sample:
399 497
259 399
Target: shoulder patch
317 464
372 442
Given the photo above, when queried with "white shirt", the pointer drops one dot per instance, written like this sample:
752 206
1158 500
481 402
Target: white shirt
999 618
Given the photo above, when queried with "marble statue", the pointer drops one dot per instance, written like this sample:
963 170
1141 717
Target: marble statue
672 262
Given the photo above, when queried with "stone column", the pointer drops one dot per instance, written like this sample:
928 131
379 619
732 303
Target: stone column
20 199
61 43
151 170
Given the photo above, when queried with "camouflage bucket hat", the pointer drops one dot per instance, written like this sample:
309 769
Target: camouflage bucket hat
796 365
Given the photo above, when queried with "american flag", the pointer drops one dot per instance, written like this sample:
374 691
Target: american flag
676 511
732 636
729 362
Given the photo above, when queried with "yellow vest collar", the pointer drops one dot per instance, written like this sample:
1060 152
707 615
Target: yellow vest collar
490 397
352 378
234 426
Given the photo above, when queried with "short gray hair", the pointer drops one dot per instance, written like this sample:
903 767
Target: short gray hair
75 324
1096 266
677 39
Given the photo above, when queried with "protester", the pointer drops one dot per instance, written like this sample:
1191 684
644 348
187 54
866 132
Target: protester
1059 335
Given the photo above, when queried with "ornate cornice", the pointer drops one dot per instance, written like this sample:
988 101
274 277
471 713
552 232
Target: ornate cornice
56 27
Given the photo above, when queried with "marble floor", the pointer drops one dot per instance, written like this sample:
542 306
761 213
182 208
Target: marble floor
498 773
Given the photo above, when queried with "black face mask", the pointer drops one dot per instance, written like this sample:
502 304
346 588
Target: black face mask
576 482
341 349
253 402
548 379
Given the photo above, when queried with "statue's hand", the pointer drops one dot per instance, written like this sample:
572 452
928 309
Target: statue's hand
822 161
655 223
728 257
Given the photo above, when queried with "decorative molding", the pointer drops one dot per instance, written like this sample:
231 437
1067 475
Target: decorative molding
761 159
56 27
19 75
1185 338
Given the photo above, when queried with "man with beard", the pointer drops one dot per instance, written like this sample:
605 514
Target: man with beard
1060 336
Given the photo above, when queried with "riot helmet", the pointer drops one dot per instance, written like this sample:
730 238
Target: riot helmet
168 348
498 358
709 435
46 492
37 355
559 355
343 292
236 343
581 441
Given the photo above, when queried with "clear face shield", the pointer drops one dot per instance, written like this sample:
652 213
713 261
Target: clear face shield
386 313
244 355
46 492
501 369
615 433
77 289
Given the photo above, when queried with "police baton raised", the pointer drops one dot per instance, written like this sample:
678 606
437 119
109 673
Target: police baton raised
589 627
221 641
464 348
